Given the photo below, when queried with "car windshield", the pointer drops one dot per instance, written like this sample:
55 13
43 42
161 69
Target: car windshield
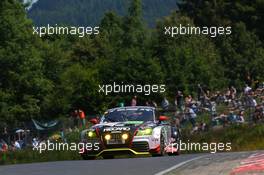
129 114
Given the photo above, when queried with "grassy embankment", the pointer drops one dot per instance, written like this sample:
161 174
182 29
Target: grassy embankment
246 137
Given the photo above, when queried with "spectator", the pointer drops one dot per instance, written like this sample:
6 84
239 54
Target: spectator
5 135
134 101
82 117
247 89
191 115
228 93
258 114
206 100
233 92
213 109
165 104
240 117
203 127
179 100
200 92
4 149
231 117
219 120
147 103
194 107
254 102
188 100
154 104
121 104
17 146
219 97
35 142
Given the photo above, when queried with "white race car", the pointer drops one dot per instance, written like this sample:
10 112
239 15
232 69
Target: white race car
135 130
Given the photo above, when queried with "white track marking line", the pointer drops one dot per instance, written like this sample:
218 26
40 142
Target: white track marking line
252 162
179 165
256 155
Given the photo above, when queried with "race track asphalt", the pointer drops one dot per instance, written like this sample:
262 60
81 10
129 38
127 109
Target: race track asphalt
133 166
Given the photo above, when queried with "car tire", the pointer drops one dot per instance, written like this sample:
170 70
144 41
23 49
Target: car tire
162 148
108 157
86 157
174 154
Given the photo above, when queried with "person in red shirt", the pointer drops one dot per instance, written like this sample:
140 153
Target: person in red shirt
82 117
4 150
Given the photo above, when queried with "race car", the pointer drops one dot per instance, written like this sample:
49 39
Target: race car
135 130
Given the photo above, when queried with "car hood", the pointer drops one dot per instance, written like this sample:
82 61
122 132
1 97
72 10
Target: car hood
120 127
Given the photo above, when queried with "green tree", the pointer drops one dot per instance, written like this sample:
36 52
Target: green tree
242 52
226 12
22 83
242 56
187 60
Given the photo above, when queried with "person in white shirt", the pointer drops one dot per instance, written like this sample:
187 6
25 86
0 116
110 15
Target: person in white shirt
192 115
17 145
247 89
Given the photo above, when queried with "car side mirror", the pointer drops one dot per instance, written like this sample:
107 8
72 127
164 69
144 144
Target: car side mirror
163 118
94 121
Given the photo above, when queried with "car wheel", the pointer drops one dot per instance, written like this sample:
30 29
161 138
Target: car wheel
162 148
174 154
86 157
108 156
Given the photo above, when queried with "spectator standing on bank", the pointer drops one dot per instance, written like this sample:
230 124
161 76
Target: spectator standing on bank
191 115
179 100
4 150
82 117
17 145
188 100
147 103
240 117
165 104
134 101
233 92
200 92
5 135
154 104
35 142
121 104
247 89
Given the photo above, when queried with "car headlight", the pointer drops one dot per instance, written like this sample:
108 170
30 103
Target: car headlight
124 136
91 134
107 137
144 132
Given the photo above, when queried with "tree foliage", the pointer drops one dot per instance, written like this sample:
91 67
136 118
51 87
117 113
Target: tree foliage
242 52
23 85
50 76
